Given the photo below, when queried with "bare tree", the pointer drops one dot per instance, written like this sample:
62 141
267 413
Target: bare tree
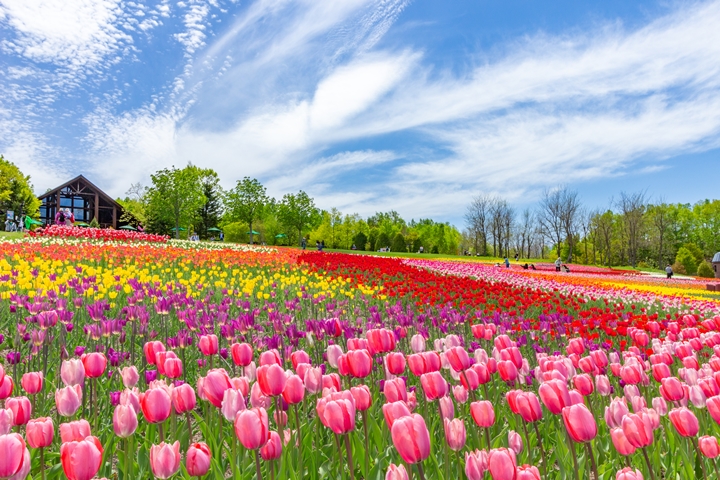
632 207
660 216
477 220
558 216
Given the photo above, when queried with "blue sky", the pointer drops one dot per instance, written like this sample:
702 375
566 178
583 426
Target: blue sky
369 105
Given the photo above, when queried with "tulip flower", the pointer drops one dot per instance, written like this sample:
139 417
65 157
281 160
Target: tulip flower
251 428
685 421
40 432
417 343
396 472
337 414
68 400
215 384
638 429
183 398
455 434
15 458
483 413
208 345
129 376
232 403
165 459
7 421
173 368
272 379
270 357
21 408
527 472
501 463
362 396
621 443
395 362
411 438
394 411
515 442
72 372
151 349
434 385
708 446
580 423
272 448
32 382
125 420
395 390
628 473
6 387
359 363
554 394
155 404
81 459
197 460
313 380
94 364
74 431
242 354
528 406
476 464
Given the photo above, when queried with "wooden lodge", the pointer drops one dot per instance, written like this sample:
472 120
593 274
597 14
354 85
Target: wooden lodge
85 200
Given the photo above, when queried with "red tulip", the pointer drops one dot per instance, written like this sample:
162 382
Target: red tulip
501 463
476 464
233 402
362 396
483 413
183 398
622 445
271 379
21 408
395 362
579 422
94 364
685 421
411 438
242 354
125 420
68 400
393 411
40 432
155 404
527 472
74 431
81 459
72 372
434 385
208 344
15 458
359 363
709 446
272 448
628 473
165 459
215 384
395 472
455 434
251 428
197 460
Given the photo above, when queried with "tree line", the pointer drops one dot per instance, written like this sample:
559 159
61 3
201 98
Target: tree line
181 201
632 231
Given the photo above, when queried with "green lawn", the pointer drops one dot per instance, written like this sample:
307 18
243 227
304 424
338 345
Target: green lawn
12 234
434 255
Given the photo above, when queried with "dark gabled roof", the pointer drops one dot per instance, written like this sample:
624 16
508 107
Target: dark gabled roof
102 194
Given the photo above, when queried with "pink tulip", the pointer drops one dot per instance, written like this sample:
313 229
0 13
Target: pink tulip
417 343
155 404
183 398
622 445
173 368
515 442
151 349
233 402
483 413
602 385
584 384
21 408
257 399
72 372
638 429
615 412
81 459
208 344
455 434
32 382
411 438
460 394
527 472
197 460
685 421
393 411
628 473
359 363
271 379
447 408
125 420
299 356
242 354
15 458
476 464
215 384
395 390
434 385
68 400
458 358
528 406
580 423
165 459
554 394
7 421
272 448
94 364
313 380
129 376
251 428
6 387
671 389
270 357
362 396
501 463
40 432
395 472
131 397
395 362
709 446
337 413
74 431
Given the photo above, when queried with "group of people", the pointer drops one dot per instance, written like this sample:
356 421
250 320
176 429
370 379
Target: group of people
64 217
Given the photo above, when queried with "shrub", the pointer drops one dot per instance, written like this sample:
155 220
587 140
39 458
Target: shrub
687 259
642 264
235 232
435 249
94 223
679 268
382 241
360 241
705 270
398 243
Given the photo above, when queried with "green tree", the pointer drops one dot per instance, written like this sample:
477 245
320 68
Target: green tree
208 215
383 240
298 211
175 196
685 258
705 270
360 241
398 243
247 202
16 191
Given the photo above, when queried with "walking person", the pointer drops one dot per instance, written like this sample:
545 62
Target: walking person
558 264
507 262
669 271
303 243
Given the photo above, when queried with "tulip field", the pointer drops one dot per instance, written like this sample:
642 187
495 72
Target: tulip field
128 356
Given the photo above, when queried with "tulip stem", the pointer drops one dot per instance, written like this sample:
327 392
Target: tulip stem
160 432
647 462
299 439
699 456
257 464
367 443
349 455
574 456
42 463
421 472
542 449
487 438
190 438
593 465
